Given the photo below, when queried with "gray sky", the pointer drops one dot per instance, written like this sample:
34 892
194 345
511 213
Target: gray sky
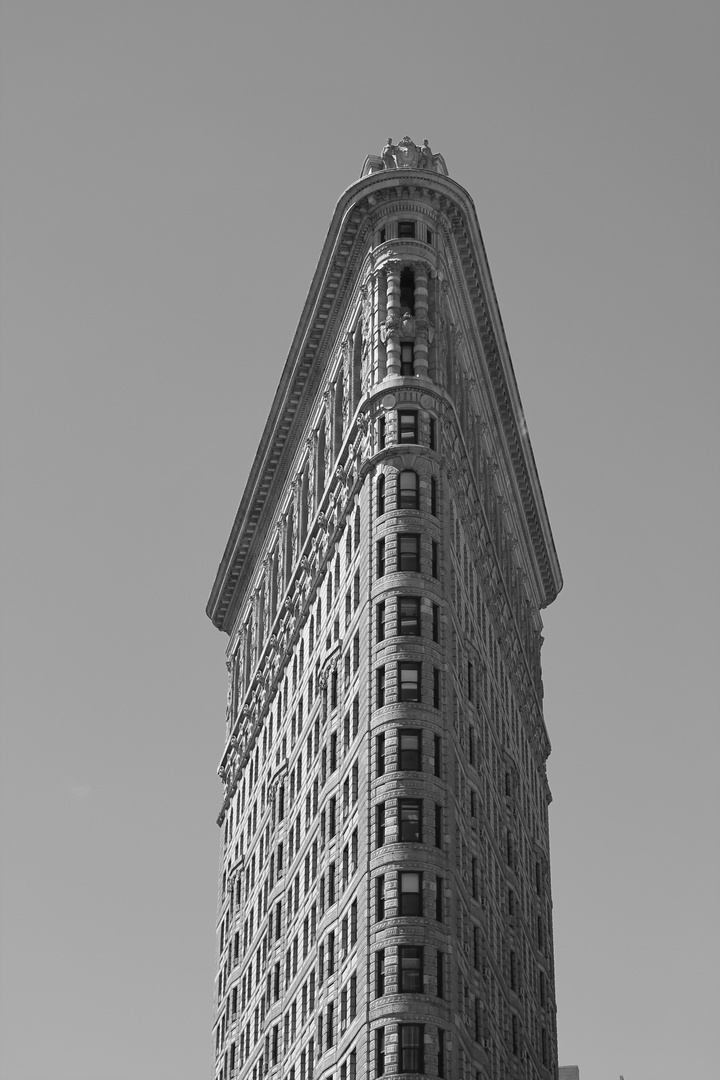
169 171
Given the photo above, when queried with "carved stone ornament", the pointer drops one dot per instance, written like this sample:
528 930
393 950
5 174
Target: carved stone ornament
407 326
390 328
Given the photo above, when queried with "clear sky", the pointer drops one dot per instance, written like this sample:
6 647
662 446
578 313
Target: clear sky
169 171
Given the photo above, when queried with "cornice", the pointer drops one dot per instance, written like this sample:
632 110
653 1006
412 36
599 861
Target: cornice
335 276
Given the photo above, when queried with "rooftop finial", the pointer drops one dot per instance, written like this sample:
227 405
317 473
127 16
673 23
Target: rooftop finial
406 155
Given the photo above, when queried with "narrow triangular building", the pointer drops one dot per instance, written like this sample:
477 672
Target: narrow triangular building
385 905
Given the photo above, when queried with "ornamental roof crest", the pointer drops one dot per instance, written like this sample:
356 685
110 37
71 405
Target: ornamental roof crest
405 155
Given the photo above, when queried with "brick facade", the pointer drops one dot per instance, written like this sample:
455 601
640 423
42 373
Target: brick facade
384 903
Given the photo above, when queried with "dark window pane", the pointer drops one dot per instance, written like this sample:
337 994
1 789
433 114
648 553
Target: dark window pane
410 749
406 228
408 552
412 1037
409 615
408 495
409 681
407 424
410 893
411 969
410 814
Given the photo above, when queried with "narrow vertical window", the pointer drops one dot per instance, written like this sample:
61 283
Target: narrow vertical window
407 426
441 1053
436 622
409 680
380 1051
410 893
438 825
437 756
433 433
380 558
440 974
381 433
412 1055
380 754
379 973
433 497
439 899
434 566
411 969
381 494
380 898
380 687
381 621
380 824
408 492
436 688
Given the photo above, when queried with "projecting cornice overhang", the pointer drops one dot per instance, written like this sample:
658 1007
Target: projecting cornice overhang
332 284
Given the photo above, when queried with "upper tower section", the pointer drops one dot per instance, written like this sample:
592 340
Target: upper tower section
402 296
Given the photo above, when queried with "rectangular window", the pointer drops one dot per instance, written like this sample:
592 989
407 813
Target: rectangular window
411 969
381 621
331 884
410 893
439 884
434 566
440 974
330 1036
333 751
406 229
380 687
380 824
410 749
436 622
409 615
436 688
381 433
353 997
332 816
379 973
380 755
407 359
470 680
407 426
438 825
412 1056
380 898
433 496
441 1053
380 561
433 433
331 953
410 821
408 552
408 490
409 681
437 756
380 1051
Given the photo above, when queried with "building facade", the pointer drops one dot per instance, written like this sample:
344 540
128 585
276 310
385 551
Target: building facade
384 901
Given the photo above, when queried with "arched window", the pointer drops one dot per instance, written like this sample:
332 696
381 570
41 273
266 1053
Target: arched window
408 492
381 494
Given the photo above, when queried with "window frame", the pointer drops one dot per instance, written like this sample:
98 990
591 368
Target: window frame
410 806
413 974
404 895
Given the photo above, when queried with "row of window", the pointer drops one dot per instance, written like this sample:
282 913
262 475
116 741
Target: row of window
411 1050
408 621
410 971
409 683
410 895
409 823
408 555
408 431
409 755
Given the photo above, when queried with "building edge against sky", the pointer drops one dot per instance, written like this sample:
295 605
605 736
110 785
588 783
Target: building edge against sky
384 902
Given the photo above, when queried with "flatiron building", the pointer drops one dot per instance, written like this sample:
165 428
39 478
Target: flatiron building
384 904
